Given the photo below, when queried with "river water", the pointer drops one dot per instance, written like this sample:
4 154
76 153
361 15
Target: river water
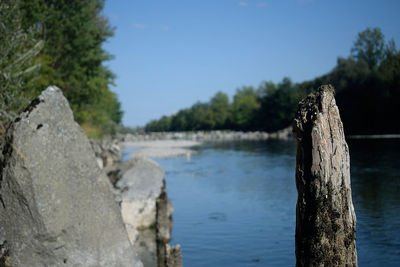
235 203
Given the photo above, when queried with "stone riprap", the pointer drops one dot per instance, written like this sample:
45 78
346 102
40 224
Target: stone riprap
145 207
161 148
208 136
174 256
325 217
57 205
140 187
163 229
146 246
116 171
107 151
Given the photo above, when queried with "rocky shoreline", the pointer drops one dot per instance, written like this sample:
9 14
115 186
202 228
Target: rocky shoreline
160 148
173 144
139 186
208 136
68 201
374 136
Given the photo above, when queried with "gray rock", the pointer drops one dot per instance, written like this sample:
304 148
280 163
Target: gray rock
5 260
174 256
58 206
326 222
2 231
107 151
140 187
3 243
145 207
116 171
163 217
146 247
163 227
3 247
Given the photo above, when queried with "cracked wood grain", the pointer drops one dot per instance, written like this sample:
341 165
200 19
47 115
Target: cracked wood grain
325 217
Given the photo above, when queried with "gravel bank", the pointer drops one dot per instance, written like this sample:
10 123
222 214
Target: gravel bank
161 148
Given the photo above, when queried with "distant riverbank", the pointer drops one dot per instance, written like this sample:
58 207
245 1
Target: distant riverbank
374 136
173 144
209 136
159 148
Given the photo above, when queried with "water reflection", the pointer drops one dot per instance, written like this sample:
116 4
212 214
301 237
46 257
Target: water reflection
277 147
375 171
235 203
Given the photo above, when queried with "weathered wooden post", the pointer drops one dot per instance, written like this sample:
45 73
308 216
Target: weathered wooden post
325 218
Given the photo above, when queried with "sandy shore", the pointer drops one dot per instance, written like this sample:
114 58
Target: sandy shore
161 148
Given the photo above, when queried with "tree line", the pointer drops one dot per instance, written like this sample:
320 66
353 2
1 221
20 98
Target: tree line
47 42
367 87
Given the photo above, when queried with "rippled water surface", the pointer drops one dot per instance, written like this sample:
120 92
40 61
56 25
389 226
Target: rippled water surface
235 203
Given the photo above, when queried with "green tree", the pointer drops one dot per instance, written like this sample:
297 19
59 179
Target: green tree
265 89
347 73
179 121
200 117
161 125
278 105
221 109
152 126
370 46
367 93
164 124
73 58
17 49
245 107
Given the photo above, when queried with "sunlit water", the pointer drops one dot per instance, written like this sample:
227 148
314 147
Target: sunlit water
235 203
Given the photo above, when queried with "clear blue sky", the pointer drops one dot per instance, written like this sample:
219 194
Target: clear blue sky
171 53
